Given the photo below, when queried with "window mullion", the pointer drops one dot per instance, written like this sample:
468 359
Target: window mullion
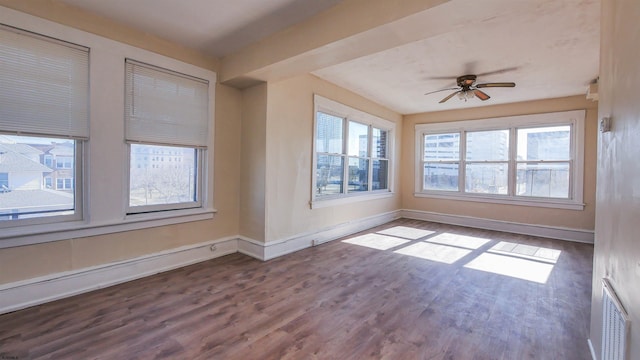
345 155
462 161
370 159
512 167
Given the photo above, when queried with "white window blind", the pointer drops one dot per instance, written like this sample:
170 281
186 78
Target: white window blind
165 107
44 85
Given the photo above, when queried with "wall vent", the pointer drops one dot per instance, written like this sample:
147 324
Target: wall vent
615 325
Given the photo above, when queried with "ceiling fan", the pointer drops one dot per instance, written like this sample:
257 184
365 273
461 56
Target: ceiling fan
468 89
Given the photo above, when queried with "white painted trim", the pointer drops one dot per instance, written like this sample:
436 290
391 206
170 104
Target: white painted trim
350 199
71 230
102 211
593 352
507 200
574 118
251 247
22 294
347 113
275 248
577 235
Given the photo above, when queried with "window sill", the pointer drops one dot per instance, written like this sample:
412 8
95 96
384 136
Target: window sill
551 203
349 199
20 235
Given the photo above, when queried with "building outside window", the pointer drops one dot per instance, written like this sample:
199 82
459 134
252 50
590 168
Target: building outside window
351 152
531 159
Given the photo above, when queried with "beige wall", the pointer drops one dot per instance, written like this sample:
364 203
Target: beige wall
26 262
253 159
89 22
519 214
617 246
289 159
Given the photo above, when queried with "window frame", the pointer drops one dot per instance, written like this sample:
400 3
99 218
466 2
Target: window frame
145 209
199 146
75 128
349 114
102 213
79 198
574 118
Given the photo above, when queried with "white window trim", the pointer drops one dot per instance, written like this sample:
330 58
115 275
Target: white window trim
106 146
575 118
331 107
133 210
21 226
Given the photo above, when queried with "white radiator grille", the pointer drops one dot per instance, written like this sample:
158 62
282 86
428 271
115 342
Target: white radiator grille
615 325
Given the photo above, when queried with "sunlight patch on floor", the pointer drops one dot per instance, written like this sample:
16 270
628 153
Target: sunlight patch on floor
516 267
406 232
468 242
526 251
434 252
376 241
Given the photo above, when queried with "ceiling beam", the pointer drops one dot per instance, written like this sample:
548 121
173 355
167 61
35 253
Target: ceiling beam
347 31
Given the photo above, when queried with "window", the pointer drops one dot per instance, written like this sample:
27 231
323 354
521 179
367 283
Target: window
544 162
43 107
166 113
45 120
351 152
48 160
4 182
64 184
64 162
528 160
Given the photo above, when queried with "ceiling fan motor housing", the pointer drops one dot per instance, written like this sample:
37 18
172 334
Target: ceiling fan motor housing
465 81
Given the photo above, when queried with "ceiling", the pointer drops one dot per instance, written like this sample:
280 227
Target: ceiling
549 48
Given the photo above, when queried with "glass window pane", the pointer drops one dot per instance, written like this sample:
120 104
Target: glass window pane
442 147
543 180
156 181
25 180
487 178
329 173
545 143
439 176
358 174
488 145
379 143
358 139
380 175
328 133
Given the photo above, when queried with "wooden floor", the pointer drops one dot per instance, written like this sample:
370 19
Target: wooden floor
404 290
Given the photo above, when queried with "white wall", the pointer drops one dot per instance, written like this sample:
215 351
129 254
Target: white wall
617 245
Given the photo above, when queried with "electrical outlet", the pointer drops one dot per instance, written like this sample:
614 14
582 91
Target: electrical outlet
605 124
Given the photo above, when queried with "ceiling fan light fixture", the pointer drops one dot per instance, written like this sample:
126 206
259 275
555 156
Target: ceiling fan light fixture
466 95
468 89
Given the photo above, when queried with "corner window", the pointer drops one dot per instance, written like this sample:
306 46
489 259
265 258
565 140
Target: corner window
167 117
351 152
532 160
43 109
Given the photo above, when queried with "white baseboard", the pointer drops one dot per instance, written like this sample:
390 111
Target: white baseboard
23 294
273 249
578 235
593 352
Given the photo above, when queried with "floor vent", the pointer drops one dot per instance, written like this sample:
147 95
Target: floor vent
615 325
